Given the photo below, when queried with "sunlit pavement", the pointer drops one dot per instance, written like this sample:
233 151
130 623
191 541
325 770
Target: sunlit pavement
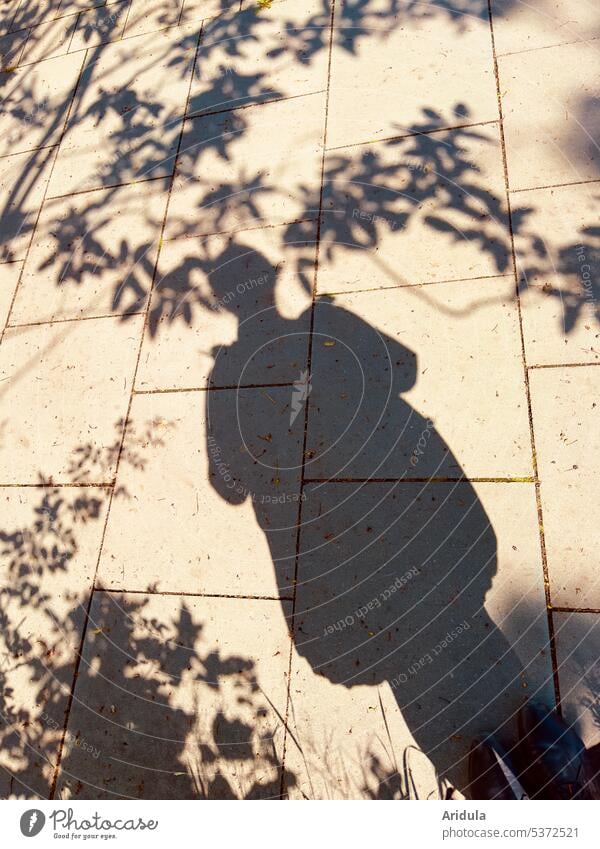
299 391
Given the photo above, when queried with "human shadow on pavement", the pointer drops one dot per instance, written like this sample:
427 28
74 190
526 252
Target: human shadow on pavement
396 551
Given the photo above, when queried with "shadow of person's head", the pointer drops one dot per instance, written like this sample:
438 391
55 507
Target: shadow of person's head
242 281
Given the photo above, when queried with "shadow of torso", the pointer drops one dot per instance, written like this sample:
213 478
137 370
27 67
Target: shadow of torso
388 548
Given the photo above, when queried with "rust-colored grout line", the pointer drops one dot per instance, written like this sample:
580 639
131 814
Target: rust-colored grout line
412 135
17 63
29 150
282 788
209 388
553 186
207 113
577 40
43 200
563 609
175 593
125 22
562 365
108 186
9 31
126 422
241 230
75 28
50 484
417 285
402 479
52 321
538 500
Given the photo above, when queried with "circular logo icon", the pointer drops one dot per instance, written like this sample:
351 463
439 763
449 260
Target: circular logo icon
32 822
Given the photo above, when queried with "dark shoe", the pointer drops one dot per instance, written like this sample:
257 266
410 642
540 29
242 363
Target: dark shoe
551 755
491 772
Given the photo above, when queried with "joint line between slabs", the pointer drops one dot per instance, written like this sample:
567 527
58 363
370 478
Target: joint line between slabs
542 539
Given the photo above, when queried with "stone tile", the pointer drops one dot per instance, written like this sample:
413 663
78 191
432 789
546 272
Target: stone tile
204 289
565 420
558 255
525 26
11 47
550 119
145 16
178 698
48 40
418 71
92 254
256 55
101 25
98 26
127 123
70 7
435 590
32 14
400 385
353 741
247 477
577 649
50 543
23 180
196 10
9 277
415 210
36 103
234 174
64 389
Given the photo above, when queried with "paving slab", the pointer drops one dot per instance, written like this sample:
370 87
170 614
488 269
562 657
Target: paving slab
49 39
11 47
413 65
31 14
50 544
70 7
548 99
151 16
23 181
100 25
577 644
557 252
36 103
234 174
431 591
127 124
261 54
228 313
170 705
414 210
9 277
65 387
398 388
197 10
242 470
525 26
93 254
564 405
